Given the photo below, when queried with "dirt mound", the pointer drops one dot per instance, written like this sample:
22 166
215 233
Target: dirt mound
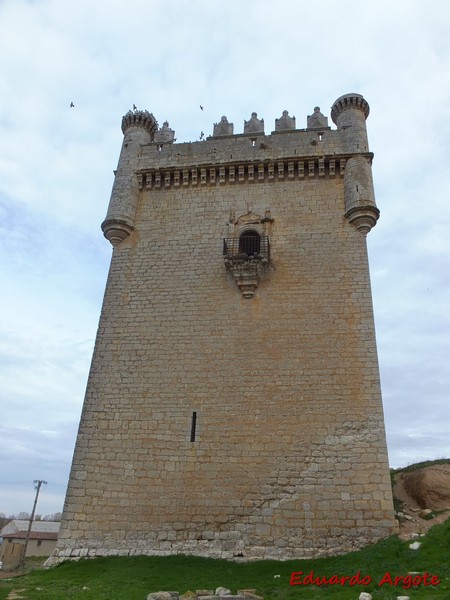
417 488
429 487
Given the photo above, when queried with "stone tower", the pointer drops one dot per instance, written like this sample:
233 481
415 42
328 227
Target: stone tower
233 407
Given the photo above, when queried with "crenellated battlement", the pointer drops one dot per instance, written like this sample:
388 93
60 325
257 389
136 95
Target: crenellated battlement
227 158
316 142
253 134
305 143
151 160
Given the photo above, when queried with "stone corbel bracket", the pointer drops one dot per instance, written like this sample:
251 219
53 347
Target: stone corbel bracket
116 230
363 217
247 271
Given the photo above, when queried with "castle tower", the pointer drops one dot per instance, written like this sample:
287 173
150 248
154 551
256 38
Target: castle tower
233 406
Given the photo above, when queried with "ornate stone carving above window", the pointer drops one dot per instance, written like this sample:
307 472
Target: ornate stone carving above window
247 250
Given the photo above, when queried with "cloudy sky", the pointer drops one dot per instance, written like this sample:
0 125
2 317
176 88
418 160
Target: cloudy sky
233 57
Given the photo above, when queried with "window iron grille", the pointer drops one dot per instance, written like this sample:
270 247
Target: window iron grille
247 246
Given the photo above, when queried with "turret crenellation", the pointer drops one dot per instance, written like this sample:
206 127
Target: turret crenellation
349 113
349 101
140 118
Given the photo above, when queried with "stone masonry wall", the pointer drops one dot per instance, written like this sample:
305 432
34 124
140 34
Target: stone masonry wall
289 458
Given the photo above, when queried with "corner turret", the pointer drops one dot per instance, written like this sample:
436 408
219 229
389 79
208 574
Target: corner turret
349 113
139 128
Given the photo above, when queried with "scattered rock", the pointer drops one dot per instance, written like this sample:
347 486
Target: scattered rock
425 512
15 595
250 594
220 593
415 545
402 515
365 596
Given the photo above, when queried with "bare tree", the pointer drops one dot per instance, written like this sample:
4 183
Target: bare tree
53 517
24 516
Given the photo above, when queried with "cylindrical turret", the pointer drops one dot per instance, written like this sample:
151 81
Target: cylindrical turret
360 207
138 128
349 113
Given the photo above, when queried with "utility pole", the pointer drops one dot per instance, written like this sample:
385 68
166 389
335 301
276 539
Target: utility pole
37 486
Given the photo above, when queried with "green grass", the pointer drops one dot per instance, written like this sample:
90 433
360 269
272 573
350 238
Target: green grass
433 514
134 578
421 465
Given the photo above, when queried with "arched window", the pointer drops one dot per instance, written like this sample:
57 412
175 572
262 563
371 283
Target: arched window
249 242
